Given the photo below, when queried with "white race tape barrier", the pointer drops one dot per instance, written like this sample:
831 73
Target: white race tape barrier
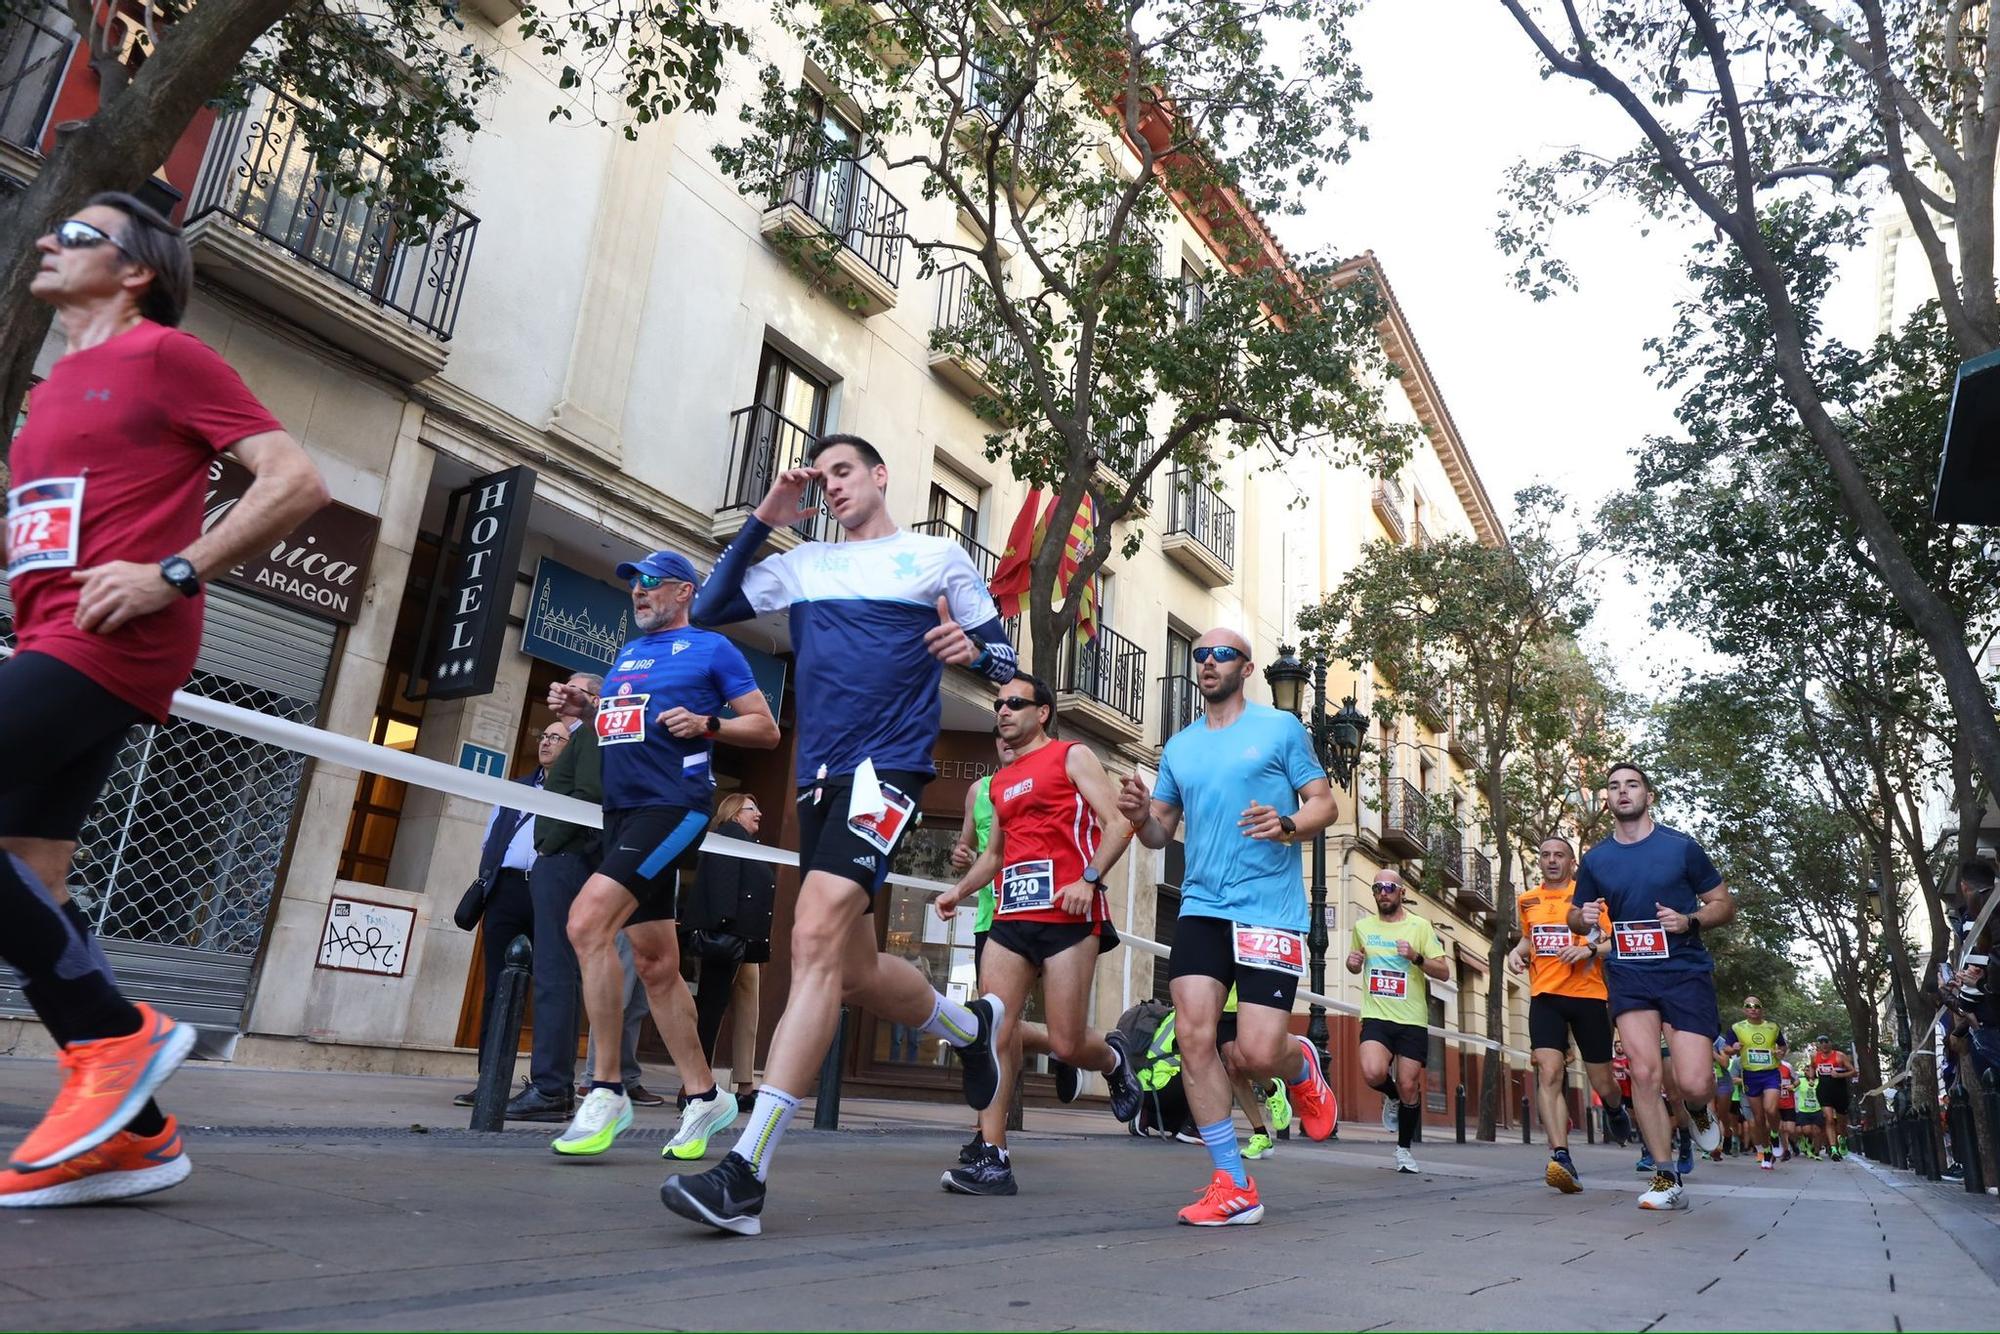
354 753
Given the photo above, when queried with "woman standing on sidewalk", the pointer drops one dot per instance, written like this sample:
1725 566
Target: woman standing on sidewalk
727 926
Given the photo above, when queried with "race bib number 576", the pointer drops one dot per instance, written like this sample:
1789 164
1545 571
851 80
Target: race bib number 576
1639 941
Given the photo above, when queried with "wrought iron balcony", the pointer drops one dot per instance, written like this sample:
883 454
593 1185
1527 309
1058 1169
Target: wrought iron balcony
987 95
970 340
842 200
762 444
1431 711
1201 530
1180 705
34 52
261 175
1475 891
1445 852
1403 809
1389 503
1108 675
1124 447
984 558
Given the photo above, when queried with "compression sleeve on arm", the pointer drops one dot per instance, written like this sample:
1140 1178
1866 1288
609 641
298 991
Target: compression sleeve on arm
721 599
996 661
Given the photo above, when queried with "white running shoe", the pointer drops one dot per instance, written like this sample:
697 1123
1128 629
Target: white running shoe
1405 1161
1707 1132
1666 1193
1389 1115
597 1122
701 1118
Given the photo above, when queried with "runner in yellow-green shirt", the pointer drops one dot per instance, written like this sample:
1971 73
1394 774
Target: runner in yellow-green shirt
1397 955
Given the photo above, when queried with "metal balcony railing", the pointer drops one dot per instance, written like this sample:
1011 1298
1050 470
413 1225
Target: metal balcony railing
1180 705
1403 809
261 174
1109 669
984 558
1126 445
1388 502
34 52
988 92
1476 888
1136 233
1198 510
762 444
1445 850
852 205
967 318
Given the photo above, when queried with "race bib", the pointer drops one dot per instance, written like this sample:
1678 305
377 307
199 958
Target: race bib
1027 887
44 521
880 832
621 719
1552 940
1639 941
1279 951
1758 1060
1388 983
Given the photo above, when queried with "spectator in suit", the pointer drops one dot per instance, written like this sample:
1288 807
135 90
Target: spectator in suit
508 855
726 924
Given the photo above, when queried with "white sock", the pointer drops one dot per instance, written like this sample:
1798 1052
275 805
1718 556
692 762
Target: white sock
952 1022
768 1119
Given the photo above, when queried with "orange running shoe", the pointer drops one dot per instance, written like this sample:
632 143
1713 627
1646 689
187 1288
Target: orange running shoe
122 1167
1313 1099
1225 1203
106 1082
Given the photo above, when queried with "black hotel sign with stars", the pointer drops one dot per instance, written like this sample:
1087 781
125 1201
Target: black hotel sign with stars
466 626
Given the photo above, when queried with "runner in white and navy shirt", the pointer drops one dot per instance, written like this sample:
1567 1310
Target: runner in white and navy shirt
874 619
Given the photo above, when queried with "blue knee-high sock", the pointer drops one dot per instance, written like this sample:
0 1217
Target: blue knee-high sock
1220 1137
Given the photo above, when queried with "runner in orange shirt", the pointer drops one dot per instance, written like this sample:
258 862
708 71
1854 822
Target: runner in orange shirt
1566 998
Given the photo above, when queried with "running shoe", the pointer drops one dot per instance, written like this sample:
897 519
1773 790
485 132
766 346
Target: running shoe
978 1066
1224 1203
122 1168
1260 1146
1665 1193
1389 1115
1069 1080
1187 1135
599 1121
1278 1107
1618 1124
1317 1108
727 1197
701 1118
968 1152
1645 1163
1406 1162
989 1174
106 1082
1707 1131
1683 1152
1764 1160
1126 1097
1561 1172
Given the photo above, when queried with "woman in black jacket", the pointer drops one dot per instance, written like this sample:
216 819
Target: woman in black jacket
726 924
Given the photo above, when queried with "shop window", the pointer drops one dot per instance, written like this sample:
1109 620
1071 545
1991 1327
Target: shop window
1167 914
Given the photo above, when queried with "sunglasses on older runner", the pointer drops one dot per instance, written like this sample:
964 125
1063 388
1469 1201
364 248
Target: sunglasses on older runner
76 234
1217 653
651 581
1016 703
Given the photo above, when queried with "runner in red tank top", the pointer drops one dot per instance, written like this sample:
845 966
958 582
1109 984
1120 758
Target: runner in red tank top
1049 851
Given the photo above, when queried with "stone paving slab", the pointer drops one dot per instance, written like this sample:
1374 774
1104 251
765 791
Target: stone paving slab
372 1226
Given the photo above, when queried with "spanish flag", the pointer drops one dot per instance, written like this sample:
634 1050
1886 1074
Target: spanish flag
1013 576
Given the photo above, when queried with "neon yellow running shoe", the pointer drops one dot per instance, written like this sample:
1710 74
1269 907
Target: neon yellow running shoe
596 1124
1260 1146
1279 1107
701 1118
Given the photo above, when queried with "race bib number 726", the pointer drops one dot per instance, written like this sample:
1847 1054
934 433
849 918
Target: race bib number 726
1279 951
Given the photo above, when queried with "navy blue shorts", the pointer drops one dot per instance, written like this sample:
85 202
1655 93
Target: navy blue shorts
1756 1083
1686 1000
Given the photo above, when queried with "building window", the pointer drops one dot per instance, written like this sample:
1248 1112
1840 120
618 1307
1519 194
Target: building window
378 801
788 389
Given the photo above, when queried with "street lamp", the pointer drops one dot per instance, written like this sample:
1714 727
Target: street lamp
1337 745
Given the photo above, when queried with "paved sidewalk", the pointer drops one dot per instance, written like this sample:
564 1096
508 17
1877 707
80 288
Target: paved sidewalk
315 1204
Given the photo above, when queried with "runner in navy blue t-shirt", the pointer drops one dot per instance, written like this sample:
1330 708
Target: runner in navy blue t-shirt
1651 891
660 712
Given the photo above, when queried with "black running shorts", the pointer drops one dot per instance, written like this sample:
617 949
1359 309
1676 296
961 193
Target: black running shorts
646 848
1833 1095
61 733
854 850
1554 1018
1205 947
1411 1040
1038 942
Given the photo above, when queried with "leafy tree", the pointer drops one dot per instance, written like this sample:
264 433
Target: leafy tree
1065 136
1739 108
402 77
1457 619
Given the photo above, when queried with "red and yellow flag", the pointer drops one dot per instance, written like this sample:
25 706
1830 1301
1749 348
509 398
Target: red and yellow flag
1076 547
1012 577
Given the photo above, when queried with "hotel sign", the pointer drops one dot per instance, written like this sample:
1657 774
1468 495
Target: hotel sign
459 653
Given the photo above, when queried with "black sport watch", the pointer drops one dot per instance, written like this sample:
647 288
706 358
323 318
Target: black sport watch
714 724
179 571
1288 829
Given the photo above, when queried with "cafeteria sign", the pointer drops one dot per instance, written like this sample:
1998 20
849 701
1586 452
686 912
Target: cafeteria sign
321 566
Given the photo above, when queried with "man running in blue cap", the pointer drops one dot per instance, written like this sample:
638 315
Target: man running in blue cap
655 723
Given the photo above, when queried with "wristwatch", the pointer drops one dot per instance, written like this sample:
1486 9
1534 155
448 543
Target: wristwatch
1287 829
179 571
714 724
1092 876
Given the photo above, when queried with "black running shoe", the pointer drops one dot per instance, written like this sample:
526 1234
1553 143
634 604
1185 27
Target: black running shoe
1125 1095
1069 1080
1618 1123
728 1196
978 1066
968 1152
988 1174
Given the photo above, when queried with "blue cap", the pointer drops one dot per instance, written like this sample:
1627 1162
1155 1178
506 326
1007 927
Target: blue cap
663 565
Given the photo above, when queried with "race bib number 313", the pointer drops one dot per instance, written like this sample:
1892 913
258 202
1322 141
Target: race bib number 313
44 522
1279 951
1639 941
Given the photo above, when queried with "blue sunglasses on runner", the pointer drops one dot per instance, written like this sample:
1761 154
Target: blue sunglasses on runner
1217 653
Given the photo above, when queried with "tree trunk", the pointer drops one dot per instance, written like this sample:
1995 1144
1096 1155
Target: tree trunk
1493 1067
117 149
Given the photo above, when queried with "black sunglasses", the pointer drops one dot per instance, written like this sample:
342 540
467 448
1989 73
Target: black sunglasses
1385 888
76 234
1013 702
1217 653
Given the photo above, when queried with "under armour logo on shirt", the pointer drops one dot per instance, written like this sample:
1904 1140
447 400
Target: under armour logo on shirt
99 395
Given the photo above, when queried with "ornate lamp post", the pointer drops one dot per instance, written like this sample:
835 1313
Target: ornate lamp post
1337 744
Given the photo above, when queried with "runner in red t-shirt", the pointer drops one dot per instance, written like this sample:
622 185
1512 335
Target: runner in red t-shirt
1051 806
105 558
